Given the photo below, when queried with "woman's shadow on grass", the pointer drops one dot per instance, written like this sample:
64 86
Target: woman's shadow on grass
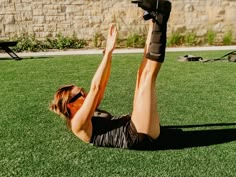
174 137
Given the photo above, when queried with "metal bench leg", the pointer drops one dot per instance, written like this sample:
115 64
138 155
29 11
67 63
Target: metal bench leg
11 53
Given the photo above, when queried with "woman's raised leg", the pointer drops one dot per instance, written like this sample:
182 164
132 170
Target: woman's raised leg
145 114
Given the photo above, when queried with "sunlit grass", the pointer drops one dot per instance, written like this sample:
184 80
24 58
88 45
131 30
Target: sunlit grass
35 142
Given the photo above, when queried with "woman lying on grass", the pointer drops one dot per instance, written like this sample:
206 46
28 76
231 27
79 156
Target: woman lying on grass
137 131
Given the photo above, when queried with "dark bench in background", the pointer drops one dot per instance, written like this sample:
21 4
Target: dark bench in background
5 46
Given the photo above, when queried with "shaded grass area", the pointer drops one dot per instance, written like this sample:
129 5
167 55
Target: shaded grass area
197 100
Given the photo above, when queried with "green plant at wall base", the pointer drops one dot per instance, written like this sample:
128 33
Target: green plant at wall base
175 39
97 39
135 40
228 38
211 35
120 42
190 39
63 42
30 43
27 43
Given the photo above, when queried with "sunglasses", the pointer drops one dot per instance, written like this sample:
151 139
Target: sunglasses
78 95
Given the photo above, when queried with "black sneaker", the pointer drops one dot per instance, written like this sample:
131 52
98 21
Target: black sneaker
158 10
148 5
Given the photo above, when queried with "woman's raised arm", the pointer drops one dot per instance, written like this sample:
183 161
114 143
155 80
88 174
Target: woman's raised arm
82 118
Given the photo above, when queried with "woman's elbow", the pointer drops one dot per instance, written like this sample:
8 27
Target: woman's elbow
95 87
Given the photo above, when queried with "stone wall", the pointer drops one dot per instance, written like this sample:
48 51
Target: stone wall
86 18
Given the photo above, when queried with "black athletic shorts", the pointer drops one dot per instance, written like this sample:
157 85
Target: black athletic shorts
119 132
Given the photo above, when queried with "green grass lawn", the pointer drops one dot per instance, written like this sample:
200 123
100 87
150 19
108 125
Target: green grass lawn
197 98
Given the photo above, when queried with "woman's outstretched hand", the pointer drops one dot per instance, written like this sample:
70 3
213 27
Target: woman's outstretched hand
111 38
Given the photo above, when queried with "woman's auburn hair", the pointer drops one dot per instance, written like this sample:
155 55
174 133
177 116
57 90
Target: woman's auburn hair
60 101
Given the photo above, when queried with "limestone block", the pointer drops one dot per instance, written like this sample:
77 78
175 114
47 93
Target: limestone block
23 7
38 12
9 8
64 27
179 28
178 6
10 28
50 27
220 12
230 15
17 1
215 14
2 11
201 32
9 19
219 27
81 20
39 19
44 2
55 18
75 2
25 28
71 8
212 3
133 12
23 1
174 19
26 15
44 35
108 19
38 28
96 19
37 8
188 8
77 13
52 9
203 19
94 12
18 17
